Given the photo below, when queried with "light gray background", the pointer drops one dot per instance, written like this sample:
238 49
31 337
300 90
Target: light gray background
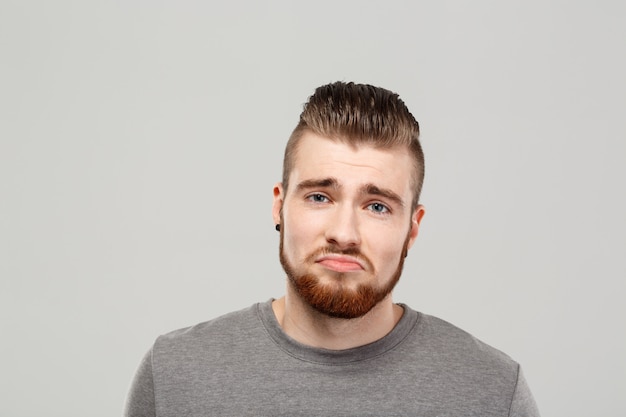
139 143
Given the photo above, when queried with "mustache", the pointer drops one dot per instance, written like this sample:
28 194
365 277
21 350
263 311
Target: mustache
333 250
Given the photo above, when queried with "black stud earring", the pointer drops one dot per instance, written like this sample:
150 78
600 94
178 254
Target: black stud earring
278 227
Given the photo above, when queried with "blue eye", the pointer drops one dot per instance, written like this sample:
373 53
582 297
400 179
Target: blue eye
318 198
378 208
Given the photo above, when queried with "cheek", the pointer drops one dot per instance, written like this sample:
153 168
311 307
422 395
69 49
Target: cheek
392 255
302 224
386 248
300 236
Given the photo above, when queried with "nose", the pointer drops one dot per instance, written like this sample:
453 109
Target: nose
343 228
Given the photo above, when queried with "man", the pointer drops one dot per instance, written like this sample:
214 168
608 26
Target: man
336 344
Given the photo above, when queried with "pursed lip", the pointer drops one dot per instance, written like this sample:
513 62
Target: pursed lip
340 263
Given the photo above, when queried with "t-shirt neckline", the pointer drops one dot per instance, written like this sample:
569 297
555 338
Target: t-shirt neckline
335 357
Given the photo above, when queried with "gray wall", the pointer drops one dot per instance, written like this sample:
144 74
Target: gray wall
139 143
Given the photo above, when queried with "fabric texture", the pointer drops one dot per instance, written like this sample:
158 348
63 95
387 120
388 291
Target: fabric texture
243 364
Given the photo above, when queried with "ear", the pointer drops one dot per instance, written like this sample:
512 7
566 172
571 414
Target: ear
277 206
416 219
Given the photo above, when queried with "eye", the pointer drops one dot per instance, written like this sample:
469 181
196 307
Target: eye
378 208
317 198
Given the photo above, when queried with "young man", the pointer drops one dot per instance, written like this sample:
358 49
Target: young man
336 344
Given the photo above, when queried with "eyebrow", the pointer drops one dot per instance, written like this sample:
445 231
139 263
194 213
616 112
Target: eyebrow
366 189
329 182
371 189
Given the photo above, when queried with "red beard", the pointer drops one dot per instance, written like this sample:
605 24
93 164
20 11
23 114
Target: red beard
334 299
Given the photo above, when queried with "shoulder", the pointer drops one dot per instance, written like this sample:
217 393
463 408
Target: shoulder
464 370
448 343
209 335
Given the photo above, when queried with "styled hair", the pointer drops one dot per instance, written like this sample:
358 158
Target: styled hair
359 114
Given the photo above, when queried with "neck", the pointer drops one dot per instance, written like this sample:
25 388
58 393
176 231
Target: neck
310 327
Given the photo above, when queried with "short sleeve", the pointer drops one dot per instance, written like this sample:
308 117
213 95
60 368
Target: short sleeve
523 403
140 401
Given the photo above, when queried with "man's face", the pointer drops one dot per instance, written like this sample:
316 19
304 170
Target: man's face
346 224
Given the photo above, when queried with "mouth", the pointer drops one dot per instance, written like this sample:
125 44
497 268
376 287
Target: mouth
340 263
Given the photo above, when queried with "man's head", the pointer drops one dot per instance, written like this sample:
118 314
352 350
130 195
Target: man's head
348 202
359 114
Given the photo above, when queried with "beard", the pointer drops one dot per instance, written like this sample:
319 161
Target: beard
336 299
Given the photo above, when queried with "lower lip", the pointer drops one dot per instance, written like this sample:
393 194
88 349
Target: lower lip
340 266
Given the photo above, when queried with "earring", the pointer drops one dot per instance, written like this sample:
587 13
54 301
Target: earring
278 227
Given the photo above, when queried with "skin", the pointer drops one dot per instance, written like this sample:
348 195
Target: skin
355 200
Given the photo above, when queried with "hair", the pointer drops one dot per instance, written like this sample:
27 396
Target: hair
359 114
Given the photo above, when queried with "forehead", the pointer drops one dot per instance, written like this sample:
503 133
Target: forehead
319 157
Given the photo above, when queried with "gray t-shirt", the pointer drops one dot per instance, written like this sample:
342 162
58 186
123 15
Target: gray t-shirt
243 364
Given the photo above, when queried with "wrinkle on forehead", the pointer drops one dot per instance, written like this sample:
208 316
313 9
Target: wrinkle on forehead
357 165
319 157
